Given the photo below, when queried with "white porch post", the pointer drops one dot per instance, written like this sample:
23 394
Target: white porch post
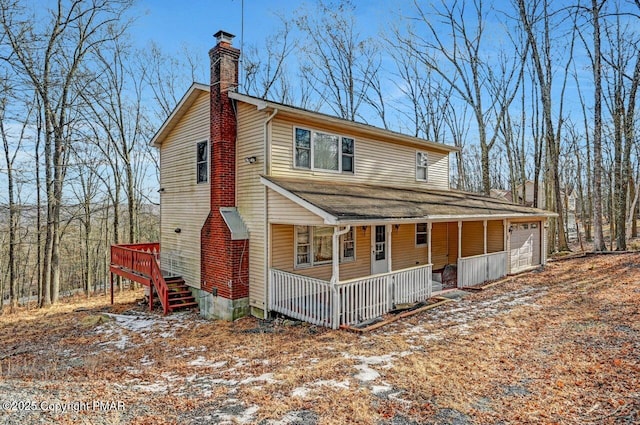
335 275
484 225
429 242
459 239
505 231
388 239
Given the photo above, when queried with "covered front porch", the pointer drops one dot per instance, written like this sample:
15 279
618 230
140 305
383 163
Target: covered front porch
340 254
344 275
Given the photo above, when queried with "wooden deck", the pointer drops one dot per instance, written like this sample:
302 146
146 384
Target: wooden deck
139 263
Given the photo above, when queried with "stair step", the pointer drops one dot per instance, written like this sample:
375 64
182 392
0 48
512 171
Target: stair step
175 300
182 292
183 305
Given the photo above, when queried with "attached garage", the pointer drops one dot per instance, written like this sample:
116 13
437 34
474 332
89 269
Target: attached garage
525 245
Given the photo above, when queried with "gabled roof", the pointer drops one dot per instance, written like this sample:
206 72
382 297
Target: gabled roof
355 203
181 108
198 88
330 119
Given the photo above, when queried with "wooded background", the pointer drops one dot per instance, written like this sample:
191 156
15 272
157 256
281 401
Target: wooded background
537 90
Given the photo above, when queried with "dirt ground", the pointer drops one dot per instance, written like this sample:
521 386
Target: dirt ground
557 345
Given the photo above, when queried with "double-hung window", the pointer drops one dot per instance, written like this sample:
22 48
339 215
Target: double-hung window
421 234
421 166
323 151
202 162
314 246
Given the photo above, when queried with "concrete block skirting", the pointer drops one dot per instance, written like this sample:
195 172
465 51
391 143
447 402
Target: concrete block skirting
215 307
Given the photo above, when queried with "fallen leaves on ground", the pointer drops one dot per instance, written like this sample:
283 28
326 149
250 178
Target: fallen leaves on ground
556 345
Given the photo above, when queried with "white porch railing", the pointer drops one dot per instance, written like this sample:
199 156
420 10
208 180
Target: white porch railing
480 268
356 300
301 297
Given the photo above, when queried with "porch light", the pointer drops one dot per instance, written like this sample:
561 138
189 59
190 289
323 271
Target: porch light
177 230
364 229
396 226
251 159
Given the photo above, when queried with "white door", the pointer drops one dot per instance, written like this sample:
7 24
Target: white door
380 251
525 246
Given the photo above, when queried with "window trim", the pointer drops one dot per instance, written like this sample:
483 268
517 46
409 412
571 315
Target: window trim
425 233
426 167
312 263
206 161
344 259
312 151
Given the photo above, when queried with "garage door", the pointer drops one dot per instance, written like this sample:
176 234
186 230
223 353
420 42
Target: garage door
525 245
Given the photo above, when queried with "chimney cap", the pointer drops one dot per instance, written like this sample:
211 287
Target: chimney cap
223 36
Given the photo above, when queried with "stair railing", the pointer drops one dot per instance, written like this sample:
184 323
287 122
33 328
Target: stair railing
161 286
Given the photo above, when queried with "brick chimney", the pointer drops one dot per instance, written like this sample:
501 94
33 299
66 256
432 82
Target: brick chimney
224 262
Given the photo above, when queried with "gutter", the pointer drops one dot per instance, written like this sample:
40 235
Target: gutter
267 236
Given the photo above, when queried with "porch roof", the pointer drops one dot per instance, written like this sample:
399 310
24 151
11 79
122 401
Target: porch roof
355 203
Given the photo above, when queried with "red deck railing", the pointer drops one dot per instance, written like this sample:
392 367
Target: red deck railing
139 262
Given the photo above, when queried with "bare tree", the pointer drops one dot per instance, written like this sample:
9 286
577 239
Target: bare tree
336 62
530 14
265 71
50 56
461 62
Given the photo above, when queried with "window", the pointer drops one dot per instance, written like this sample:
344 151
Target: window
314 245
303 148
348 246
321 151
421 166
322 245
347 155
202 162
303 246
421 233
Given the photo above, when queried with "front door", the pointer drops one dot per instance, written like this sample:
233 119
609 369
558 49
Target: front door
379 261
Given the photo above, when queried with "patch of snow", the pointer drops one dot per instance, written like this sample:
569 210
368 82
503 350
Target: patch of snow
305 390
245 417
333 383
203 362
220 381
366 374
171 377
152 388
265 377
379 389
146 361
300 392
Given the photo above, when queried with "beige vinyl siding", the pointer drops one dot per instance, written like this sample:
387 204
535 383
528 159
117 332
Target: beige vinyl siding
283 255
472 238
184 204
439 245
495 236
250 195
376 161
404 252
283 210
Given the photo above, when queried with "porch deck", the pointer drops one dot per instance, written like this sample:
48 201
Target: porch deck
354 301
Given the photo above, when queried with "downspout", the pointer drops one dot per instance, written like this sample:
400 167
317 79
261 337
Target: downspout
267 237
335 275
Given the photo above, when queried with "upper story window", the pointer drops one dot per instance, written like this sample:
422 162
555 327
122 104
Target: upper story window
322 151
421 234
421 166
202 162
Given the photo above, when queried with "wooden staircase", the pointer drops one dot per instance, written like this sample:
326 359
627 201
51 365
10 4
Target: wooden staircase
139 263
178 294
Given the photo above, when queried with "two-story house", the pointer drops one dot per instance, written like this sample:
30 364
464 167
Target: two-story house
269 208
